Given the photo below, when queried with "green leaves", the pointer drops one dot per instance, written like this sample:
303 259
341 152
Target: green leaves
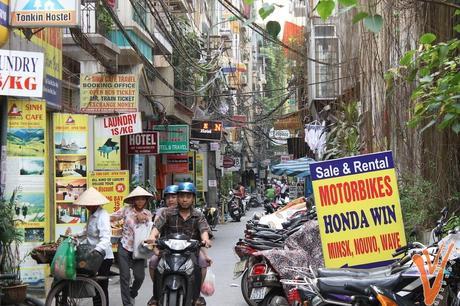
373 23
273 28
266 10
407 58
427 38
248 2
457 28
348 2
360 16
325 8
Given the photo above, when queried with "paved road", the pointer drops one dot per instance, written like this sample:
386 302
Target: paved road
228 292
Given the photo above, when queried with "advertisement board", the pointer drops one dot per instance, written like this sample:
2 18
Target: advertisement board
231 163
359 213
21 73
206 130
173 138
114 185
106 149
143 143
71 171
44 13
108 94
124 124
177 163
26 170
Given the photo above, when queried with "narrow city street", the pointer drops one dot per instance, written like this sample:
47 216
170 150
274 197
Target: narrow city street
228 292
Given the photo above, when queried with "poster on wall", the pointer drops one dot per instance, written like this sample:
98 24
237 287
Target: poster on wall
71 173
199 163
359 212
125 124
108 93
114 185
26 172
106 149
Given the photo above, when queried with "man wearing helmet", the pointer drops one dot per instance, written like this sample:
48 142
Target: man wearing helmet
183 219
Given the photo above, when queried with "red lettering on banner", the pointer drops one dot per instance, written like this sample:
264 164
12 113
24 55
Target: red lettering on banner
366 245
358 190
390 241
339 249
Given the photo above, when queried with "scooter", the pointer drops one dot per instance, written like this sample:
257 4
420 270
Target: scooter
234 208
177 277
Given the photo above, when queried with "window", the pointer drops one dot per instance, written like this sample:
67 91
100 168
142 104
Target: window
327 51
140 13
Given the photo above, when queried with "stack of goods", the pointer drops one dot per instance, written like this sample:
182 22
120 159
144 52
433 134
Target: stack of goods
44 253
117 228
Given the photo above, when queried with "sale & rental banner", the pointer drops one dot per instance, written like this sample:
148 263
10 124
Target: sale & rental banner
71 171
114 185
26 179
359 212
125 124
108 93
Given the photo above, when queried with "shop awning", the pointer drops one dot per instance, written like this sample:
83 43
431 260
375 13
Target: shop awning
297 167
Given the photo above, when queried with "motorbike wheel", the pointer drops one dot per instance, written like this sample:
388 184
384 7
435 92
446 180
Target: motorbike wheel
245 288
274 298
171 298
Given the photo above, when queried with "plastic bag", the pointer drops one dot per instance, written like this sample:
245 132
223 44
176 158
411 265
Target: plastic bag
63 265
88 262
209 284
141 233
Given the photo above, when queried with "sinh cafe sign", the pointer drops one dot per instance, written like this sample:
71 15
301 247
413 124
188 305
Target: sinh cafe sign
21 73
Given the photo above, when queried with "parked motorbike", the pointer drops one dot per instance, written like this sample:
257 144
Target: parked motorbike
177 277
234 207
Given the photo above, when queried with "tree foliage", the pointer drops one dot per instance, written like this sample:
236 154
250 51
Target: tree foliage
275 72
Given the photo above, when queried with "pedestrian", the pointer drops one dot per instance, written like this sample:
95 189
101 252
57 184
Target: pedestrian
132 215
183 219
97 233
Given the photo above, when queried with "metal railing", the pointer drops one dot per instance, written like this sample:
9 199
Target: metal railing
89 19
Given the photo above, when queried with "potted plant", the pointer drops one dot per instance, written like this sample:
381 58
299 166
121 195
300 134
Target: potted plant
13 289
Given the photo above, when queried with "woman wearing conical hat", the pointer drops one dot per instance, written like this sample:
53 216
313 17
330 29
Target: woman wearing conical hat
98 233
132 215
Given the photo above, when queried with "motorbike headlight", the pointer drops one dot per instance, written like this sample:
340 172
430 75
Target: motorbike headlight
162 266
187 267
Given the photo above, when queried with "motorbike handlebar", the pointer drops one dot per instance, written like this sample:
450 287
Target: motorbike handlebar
400 250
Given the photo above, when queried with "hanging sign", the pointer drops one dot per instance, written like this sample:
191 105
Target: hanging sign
21 73
231 163
358 208
177 163
173 138
206 130
106 150
108 94
114 185
44 13
145 143
125 124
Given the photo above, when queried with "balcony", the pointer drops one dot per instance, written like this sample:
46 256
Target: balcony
95 26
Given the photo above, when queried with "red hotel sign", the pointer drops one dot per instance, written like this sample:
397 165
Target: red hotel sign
145 143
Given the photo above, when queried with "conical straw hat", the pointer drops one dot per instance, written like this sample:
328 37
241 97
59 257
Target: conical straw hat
137 192
91 197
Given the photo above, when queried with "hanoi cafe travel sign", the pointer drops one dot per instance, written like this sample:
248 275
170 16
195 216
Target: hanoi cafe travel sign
358 208
44 13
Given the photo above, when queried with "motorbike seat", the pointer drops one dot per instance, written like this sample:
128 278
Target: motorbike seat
337 285
268 235
350 272
258 242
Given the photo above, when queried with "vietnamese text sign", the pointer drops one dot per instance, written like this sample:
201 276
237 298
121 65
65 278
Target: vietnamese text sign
114 185
21 73
173 138
124 124
206 130
106 94
358 208
44 13
177 163
144 143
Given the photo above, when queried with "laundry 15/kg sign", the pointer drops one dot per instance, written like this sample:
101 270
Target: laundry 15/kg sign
21 73
125 124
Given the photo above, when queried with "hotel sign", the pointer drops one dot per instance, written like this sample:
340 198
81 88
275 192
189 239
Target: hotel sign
206 130
44 13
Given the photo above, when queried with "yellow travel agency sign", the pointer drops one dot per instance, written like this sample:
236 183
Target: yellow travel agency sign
358 208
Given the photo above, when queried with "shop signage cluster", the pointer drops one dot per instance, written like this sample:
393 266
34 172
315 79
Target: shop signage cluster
206 130
173 138
44 13
145 143
26 183
114 185
108 94
21 73
125 124
358 208
71 171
